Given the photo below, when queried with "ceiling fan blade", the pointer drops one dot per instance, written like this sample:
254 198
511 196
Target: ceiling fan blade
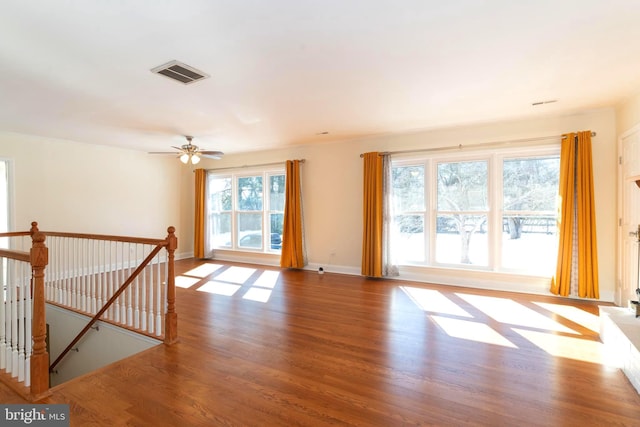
211 154
163 152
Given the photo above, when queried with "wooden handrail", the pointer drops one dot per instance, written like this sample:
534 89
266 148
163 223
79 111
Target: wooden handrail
141 240
113 298
16 255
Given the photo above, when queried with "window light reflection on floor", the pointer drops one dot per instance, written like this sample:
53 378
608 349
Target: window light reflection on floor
203 270
219 288
258 294
433 301
186 282
236 275
267 279
563 346
473 331
507 311
576 315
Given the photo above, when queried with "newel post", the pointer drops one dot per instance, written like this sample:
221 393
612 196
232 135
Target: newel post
39 356
171 318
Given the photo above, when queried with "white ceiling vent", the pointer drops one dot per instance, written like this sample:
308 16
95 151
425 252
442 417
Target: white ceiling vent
180 72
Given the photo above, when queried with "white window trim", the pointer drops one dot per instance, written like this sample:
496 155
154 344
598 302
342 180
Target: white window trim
494 158
234 175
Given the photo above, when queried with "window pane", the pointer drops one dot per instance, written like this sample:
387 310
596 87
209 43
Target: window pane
276 222
530 184
250 193
529 241
462 186
462 239
220 229
408 188
276 193
220 194
409 241
250 230
530 244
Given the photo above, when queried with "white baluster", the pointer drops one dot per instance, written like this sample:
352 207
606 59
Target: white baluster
82 272
143 311
22 320
118 281
130 289
151 286
94 276
136 313
28 330
159 310
14 322
67 277
3 319
102 259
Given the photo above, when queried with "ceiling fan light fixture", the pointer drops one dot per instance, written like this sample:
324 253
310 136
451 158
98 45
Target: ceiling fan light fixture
189 153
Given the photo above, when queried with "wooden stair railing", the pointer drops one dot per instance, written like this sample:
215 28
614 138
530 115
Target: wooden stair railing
67 283
81 288
99 314
30 378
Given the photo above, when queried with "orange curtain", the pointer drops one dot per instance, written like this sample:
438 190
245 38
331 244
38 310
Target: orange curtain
587 248
292 255
372 220
577 222
200 214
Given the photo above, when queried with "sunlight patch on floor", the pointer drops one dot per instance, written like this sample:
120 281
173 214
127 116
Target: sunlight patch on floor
219 288
236 275
257 294
563 346
581 317
204 270
433 301
473 331
267 279
510 312
186 282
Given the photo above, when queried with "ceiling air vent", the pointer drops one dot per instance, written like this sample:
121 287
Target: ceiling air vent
180 72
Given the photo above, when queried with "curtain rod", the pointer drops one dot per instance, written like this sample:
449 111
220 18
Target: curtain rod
251 166
483 144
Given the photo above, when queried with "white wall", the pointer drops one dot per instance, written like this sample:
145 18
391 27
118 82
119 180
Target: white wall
332 199
84 188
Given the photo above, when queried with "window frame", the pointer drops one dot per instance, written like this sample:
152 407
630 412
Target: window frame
495 215
235 235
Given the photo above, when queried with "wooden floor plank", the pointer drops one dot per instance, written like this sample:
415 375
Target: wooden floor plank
342 350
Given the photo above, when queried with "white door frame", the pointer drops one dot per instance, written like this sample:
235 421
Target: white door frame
628 218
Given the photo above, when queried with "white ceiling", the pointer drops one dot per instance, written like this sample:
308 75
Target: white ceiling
283 71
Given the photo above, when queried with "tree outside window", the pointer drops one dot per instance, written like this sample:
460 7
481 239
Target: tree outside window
462 211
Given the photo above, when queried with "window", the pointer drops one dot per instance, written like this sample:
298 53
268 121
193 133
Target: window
462 213
530 188
493 211
409 205
244 213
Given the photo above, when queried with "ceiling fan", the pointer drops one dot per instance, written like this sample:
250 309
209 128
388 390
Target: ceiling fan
191 153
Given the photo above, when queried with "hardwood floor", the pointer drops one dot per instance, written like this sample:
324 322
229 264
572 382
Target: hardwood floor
341 350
